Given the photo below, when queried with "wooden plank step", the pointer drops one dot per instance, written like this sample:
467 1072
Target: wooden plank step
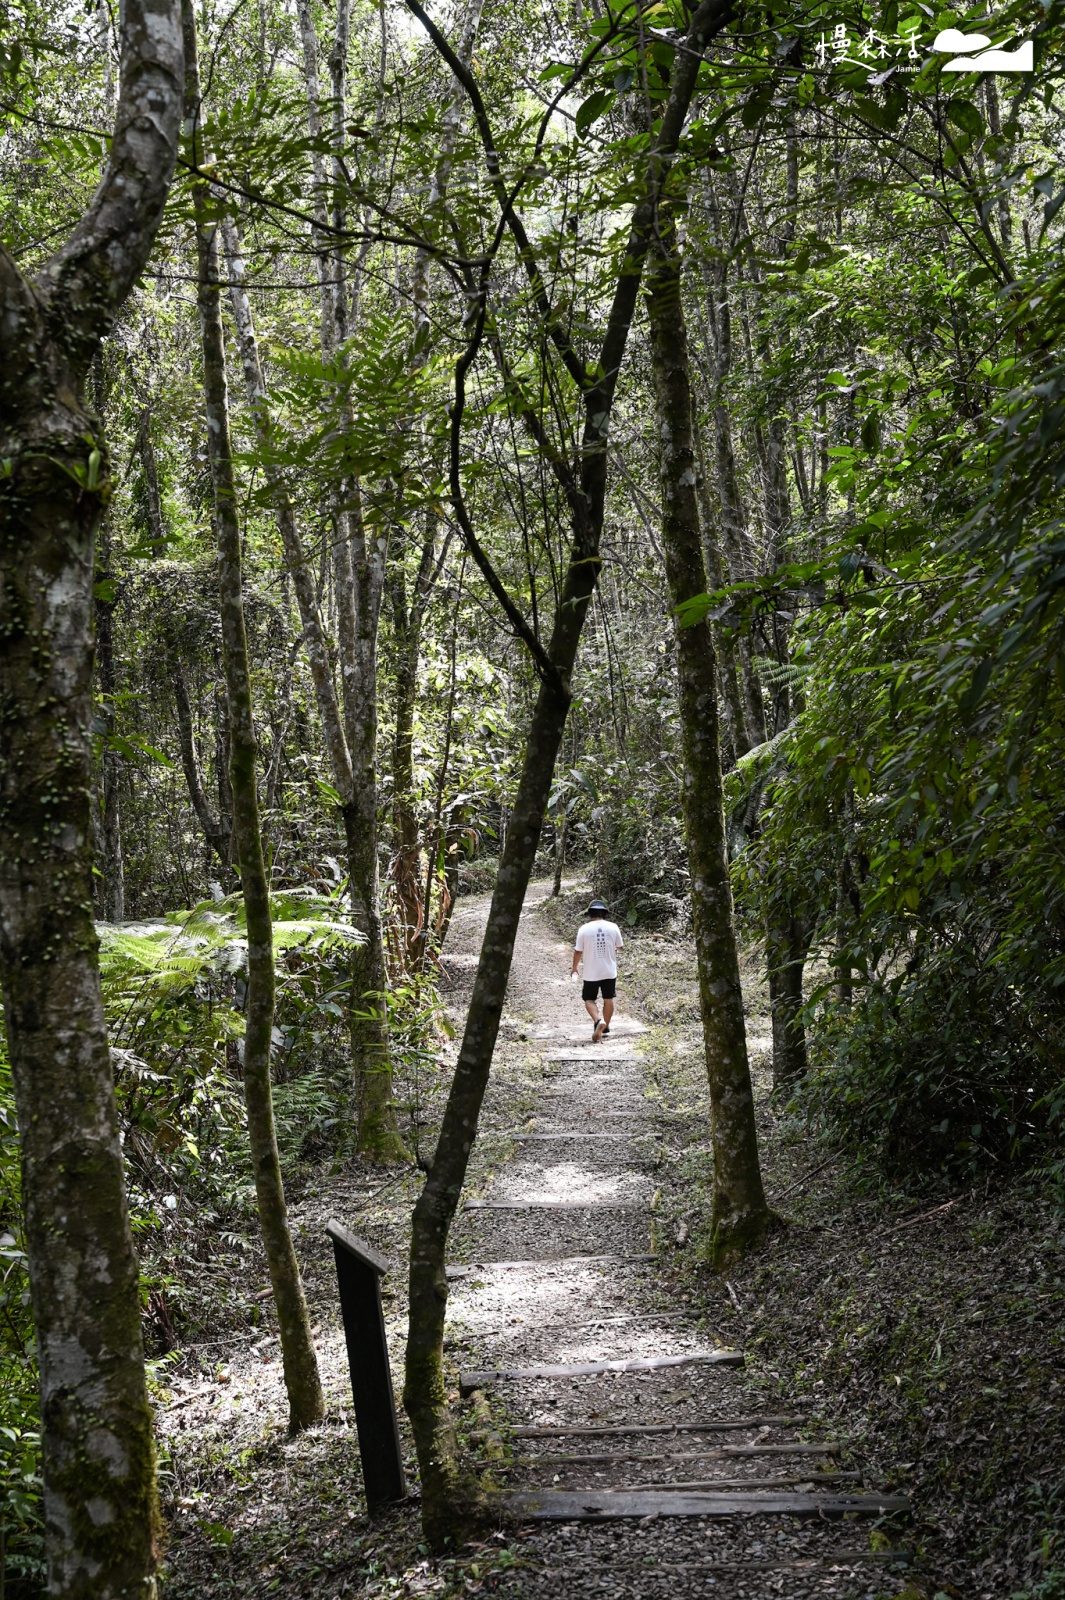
721 1452
575 1327
579 1133
468 1381
469 1270
600 1505
728 1483
591 1054
725 1424
552 1205
701 1485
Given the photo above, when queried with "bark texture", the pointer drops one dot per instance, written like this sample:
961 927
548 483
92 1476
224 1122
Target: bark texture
306 1403
358 572
739 1214
378 1134
101 1512
111 865
445 1490
785 954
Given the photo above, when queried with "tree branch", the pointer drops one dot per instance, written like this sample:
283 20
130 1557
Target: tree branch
89 277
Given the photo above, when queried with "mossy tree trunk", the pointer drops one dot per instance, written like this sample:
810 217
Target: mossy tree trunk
306 1404
358 565
739 1214
111 866
786 944
101 1514
377 1133
446 1492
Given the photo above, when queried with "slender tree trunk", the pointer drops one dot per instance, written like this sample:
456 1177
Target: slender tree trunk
217 830
408 615
358 582
785 950
406 874
739 1214
102 1526
560 856
150 466
306 1404
445 1489
378 1135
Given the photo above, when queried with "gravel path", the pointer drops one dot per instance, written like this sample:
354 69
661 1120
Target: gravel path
529 1291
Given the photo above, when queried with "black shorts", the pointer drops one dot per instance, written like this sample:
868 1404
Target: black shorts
590 991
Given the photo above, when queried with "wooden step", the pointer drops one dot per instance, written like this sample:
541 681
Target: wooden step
468 1381
725 1483
728 1424
597 1505
471 1269
581 1133
553 1205
720 1452
591 1054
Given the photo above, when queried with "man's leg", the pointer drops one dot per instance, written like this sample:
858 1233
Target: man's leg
608 1011
593 1010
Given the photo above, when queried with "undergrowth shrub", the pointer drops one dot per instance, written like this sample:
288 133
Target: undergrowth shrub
641 865
948 1069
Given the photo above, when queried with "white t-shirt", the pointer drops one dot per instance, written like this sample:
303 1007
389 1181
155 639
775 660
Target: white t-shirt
599 943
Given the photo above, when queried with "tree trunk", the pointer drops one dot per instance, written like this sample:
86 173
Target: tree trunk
306 1404
358 581
560 856
406 874
113 870
739 1214
377 1133
408 616
102 1523
156 523
445 1489
785 952
217 830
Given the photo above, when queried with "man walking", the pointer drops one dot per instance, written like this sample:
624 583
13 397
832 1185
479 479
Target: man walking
597 944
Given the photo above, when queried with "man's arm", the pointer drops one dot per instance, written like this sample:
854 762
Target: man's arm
577 954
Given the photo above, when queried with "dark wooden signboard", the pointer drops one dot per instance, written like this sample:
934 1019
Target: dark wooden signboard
359 1272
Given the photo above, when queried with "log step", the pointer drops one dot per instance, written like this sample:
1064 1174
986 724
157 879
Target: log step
598 1505
591 1054
552 1205
721 1452
470 1270
581 1133
729 1424
468 1381
794 1482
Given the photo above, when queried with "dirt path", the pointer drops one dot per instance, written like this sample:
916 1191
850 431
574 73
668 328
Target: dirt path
618 1135
556 1264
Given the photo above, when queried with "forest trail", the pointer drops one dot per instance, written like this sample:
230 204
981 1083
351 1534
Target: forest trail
557 1265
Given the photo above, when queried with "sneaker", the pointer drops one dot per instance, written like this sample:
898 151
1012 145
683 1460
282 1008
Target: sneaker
598 1031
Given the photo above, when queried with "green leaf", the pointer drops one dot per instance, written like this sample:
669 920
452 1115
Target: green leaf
757 106
593 108
871 433
965 116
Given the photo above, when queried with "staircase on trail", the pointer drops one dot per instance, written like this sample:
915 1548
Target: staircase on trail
618 1410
